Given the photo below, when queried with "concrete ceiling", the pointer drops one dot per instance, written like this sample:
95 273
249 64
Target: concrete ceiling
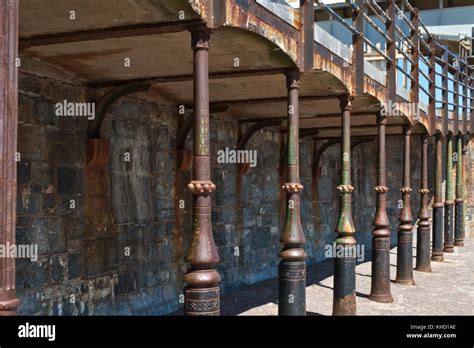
98 59
41 17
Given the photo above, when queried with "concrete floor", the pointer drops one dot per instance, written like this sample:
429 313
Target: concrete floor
448 290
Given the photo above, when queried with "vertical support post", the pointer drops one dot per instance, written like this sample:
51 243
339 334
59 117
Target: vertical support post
437 253
358 52
432 86
405 229
456 95
449 201
423 260
445 93
292 268
415 55
8 131
391 53
459 207
471 107
307 34
465 112
380 289
344 302
202 290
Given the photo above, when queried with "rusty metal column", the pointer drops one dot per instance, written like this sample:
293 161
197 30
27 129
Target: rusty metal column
405 229
423 260
437 253
8 131
344 302
292 268
380 289
202 290
459 207
449 201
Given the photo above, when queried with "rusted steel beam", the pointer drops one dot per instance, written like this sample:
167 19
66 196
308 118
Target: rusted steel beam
355 136
316 117
449 201
344 300
358 51
272 100
8 130
202 291
244 168
95 126
423 261
391 52
292 267
380 287
363 127
415 55
217 75
109 33
437 253
217 11
405 228
459 202
306 41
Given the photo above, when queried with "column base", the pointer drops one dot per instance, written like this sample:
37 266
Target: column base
459 243
448 249
437 258
344 298
423 269
292 288
381 298
200 302
8 307
380 287
407 282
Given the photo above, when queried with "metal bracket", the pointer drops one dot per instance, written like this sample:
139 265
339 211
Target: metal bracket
95 126
244 168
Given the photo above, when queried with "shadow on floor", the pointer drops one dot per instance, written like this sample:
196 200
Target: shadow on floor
259 294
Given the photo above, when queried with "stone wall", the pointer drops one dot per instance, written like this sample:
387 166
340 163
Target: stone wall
119 248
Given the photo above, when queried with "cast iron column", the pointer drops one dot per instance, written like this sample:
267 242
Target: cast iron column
8 134
437 253
423 260
380 289
459 228
405 229
202 291
344 266
292 268
449 201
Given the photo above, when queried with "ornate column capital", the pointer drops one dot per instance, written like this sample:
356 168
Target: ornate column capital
200 39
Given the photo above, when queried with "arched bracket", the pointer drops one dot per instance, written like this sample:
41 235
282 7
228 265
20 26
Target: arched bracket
244 168
95 126
184 157
319 153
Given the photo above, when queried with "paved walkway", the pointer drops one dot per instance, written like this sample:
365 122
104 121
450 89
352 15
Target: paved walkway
448 290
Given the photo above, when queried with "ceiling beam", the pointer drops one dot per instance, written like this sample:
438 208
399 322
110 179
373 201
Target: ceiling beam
315 117
189 77
274 100
108 33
